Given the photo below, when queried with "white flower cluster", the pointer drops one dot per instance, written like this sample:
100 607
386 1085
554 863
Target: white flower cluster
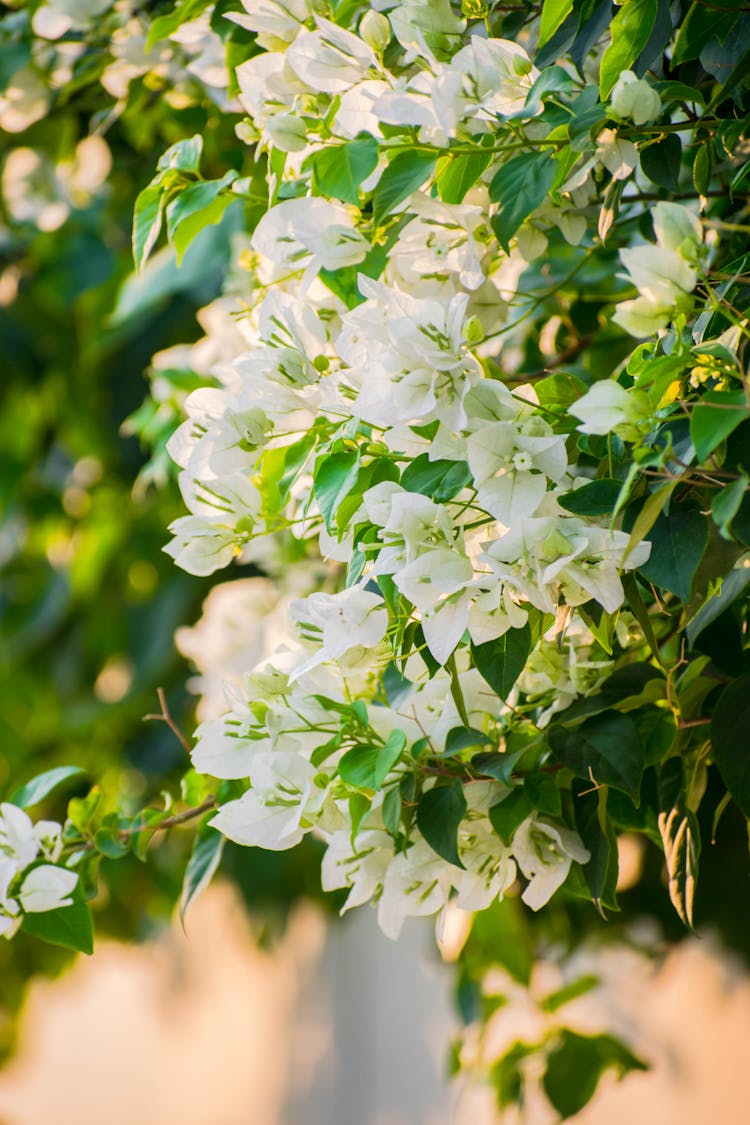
28 885
356 404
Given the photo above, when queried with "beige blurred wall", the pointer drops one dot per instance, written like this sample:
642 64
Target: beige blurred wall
339 1026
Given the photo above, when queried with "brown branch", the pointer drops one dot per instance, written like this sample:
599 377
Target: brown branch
164 716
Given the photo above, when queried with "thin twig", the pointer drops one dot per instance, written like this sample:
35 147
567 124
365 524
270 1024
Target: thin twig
165 717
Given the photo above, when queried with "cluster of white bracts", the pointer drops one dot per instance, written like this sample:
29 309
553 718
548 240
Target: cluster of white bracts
398 376
28 884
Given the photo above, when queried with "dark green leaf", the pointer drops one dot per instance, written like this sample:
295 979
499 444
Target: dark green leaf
677 545
519 187
461 738
730 740
440 480
339 170
42 785
71 926
595 499
714 418
368 766
661 162
631 29
506 816
405 173
201 867
577 1063
598 835
439 813
501 661
605 750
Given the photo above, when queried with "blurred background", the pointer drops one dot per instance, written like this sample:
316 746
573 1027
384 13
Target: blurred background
268 1011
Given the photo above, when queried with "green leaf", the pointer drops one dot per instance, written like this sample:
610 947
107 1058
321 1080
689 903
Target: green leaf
42 785
605 750
456 174
405 173
440 480
201 867
677 545
553 14
732 588
726 504
147 220
501 661
577 1063
338 171
439 813
463 738
630 29
506 816
367 767
164 26
595 499
730 739
335 475
199 205
714 418
185 156
71 926
520 186
598 835
661 162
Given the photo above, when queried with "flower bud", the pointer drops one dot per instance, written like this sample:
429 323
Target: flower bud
635 98
375 30
473 331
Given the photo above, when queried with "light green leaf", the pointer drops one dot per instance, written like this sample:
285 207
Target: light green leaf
553 14
726 504
457 174
339 170
630 29
204 860
164 26
41 786
200 205
335 475
147 220
368 766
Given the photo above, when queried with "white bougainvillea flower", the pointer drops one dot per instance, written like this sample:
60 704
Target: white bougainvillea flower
309 234
490 867
54 18
284 803
359 865
277 23
635 99
417 883
444 241
544 853
486 79
47 888
18 839
337 623
608 405
222 434
408 357
330 59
